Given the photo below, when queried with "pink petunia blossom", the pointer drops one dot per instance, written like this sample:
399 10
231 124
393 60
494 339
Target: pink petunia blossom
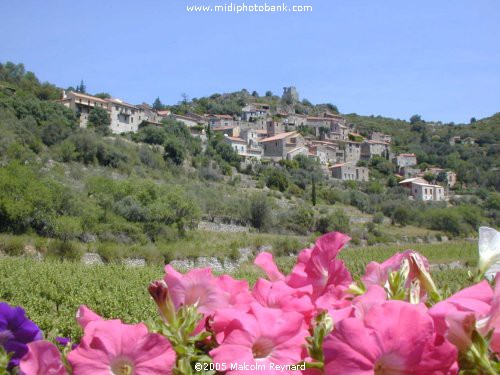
197 287
393 338
279 295
263 337
316 268
475 299
43 358
266 262
492 321
319 267
237 293
378 273
84 316
111 347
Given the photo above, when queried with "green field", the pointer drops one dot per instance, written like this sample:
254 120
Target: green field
51 291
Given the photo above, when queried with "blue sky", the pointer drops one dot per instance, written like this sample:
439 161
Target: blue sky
439 59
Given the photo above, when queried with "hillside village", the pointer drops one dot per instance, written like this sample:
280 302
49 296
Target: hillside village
262 134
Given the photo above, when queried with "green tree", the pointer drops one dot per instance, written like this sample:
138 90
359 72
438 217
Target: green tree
81 87
103 95
402 216
99 120
313 191
415 118
157 104
260 211
276 179
174 151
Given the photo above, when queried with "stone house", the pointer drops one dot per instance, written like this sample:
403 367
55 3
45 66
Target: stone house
349 171
189 121
296 120
421 190
82 104
352 151
231 131
427 192
376 136
280 145
409 171
239 145
219 120
404 160
255 110
124 116
370 148
274 127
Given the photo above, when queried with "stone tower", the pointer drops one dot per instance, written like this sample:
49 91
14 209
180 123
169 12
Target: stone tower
290 95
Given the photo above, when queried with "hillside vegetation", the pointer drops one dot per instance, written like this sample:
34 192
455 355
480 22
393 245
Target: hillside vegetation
63 187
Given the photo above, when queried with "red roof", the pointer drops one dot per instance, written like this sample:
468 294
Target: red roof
85 96
408 155
279 136
236 139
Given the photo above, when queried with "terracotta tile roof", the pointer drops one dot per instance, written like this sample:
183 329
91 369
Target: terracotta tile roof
219 128
85 96
407 155
338 165
120 102
236 139
279 136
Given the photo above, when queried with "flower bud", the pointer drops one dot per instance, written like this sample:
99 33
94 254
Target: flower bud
159 291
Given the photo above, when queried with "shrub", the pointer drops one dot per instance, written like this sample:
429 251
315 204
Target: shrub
378 218
402 216
110 252
260 212
64 250
67 228
12 245
336 221
276 179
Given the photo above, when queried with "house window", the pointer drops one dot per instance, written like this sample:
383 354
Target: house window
116 107
131 119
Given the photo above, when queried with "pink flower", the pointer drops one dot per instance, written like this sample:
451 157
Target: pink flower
475 299
43 358
316 268
84 316
279 295
393 338
111 347
237 293
262 337
378 273
197 287
265 261
492 321
319 267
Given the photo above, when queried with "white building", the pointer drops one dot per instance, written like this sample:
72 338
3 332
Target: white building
421 190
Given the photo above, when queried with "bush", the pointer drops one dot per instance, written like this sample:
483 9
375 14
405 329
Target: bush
260 212
337 221
402 216
12 245
110 252
302 220
68 228
64 250
378 218
276 179
286 246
